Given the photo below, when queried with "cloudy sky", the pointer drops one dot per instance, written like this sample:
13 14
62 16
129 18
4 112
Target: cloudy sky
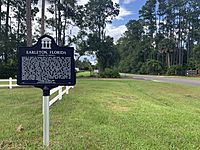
128 10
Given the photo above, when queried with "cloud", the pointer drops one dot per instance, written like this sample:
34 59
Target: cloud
128 1
82 2
115 32
116 1
122 13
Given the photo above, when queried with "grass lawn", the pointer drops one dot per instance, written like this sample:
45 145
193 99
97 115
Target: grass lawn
97 114
83 74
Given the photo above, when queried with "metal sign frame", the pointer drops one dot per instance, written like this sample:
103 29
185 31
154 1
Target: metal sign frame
45 49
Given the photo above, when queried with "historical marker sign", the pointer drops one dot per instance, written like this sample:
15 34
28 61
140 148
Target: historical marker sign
46 64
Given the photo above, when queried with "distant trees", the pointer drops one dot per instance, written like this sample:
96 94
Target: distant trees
194 62
96 15
64 14
12 31
167 34
16 28
84 65
91 19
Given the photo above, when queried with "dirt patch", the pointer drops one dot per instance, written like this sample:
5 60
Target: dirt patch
5 144
191 96
127 98
118 107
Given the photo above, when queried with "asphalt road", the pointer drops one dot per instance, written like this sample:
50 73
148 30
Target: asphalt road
178 80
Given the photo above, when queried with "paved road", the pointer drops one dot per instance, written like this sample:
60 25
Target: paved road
166 79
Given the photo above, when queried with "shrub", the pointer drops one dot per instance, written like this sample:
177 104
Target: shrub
151 67
8 70
176 70
110 73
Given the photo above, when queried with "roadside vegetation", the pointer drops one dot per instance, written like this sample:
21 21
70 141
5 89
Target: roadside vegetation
81 74
111 114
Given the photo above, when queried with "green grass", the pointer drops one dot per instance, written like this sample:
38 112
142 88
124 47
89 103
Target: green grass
83 74
120 114
7 83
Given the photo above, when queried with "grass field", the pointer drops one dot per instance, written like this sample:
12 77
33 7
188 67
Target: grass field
116 115
83 74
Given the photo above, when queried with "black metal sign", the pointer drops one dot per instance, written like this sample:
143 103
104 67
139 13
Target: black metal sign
46 64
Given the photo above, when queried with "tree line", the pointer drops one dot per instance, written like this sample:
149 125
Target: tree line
164 40
15 26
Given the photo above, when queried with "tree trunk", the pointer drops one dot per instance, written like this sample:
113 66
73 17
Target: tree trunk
0 16
18 26
0 27
64 28
59 24
56 22
7 18
7 31
42 18
28 23
168 60
179 40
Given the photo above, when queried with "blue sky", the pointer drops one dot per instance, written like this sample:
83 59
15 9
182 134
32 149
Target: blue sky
132 8
129 10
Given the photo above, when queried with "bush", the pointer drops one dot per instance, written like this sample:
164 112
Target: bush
110 73
176 70
151 67
8 70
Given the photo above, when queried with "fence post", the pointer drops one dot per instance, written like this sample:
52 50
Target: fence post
10 83
43 101
67 89
60 93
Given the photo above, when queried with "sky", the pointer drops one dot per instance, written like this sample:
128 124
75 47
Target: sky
128 10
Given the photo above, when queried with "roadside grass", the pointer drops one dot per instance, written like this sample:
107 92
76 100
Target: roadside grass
185 77
105 114
83 74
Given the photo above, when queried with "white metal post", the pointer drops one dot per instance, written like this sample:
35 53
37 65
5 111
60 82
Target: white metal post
10 83
43 105
60 93
46 121
67 89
